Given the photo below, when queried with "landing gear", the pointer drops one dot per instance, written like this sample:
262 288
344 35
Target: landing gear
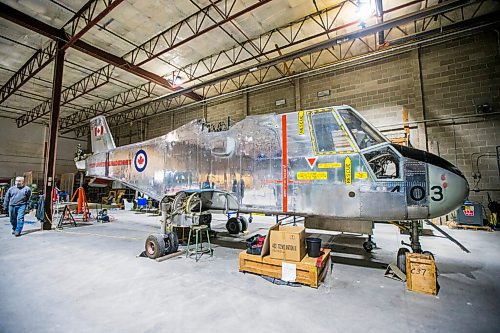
234 226
401 259
244 223
238 224
414 230
369 245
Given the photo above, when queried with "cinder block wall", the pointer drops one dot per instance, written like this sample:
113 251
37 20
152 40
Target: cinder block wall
22 150
440 81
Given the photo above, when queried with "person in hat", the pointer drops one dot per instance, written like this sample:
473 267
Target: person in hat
16 199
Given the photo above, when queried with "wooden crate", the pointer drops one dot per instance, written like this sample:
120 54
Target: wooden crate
421 273
310 271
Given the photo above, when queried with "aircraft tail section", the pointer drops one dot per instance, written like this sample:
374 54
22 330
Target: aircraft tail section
100 135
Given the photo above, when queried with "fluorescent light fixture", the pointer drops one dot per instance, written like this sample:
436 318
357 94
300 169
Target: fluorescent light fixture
280 102
253 69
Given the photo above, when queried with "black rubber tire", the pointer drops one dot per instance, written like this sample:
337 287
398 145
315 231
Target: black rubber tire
368 246
233 226
171 243
429 253
401 259
155 246
244 223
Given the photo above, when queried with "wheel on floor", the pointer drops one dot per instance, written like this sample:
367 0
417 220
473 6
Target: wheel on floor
155 246
171 243
244 223
368 246
401 259
233 226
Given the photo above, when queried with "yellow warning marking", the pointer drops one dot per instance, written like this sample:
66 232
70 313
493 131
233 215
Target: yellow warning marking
301 122
308 113
344 131
361 175
348 171
318 175
329 165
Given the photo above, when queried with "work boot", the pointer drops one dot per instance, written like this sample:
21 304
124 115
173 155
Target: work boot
13 232
17 234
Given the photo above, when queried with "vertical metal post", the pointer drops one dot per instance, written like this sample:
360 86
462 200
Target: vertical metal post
53 131
380 19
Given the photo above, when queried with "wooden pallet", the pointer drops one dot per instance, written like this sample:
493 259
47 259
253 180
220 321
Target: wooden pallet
310 271
453 225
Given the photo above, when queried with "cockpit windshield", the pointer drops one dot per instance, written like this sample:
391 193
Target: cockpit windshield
363 133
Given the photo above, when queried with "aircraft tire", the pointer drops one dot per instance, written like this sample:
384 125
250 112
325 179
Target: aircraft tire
244 223
155 246
368 246
429 253
233 226
171 243
401 259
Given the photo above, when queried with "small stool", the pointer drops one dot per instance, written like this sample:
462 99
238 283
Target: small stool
198 252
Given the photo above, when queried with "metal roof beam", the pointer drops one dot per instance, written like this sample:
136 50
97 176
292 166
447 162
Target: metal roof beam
123 99
193 26
44 29
80 88
87 14
239 79
35 64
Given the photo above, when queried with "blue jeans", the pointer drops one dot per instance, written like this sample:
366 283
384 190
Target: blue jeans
16 214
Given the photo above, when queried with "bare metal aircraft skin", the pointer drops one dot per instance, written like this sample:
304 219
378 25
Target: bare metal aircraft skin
324 162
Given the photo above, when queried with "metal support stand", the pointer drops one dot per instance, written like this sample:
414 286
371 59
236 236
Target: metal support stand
414 237
61 220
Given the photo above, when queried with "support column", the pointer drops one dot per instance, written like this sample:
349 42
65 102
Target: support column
50 166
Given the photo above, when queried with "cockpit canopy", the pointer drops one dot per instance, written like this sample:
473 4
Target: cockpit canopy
342 130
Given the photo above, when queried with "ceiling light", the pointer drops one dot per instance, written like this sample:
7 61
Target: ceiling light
365 9
177 80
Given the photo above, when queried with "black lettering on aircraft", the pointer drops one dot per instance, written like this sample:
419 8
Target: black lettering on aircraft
396 189
438 191
417 193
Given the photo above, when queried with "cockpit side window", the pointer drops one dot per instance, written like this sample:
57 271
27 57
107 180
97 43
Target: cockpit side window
364 135
384 162
324 125
327 135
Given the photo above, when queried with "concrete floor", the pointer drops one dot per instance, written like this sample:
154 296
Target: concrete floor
89 279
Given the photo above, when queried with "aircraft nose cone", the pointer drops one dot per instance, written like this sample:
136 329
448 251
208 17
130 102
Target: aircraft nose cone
448 191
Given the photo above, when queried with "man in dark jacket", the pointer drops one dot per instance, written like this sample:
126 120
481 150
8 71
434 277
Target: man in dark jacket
16 200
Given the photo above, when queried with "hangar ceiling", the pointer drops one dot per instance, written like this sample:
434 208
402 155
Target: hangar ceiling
133 59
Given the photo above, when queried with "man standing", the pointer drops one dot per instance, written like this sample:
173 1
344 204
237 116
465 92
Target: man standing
16 200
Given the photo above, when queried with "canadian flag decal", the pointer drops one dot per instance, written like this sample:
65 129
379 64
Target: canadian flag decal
99 130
